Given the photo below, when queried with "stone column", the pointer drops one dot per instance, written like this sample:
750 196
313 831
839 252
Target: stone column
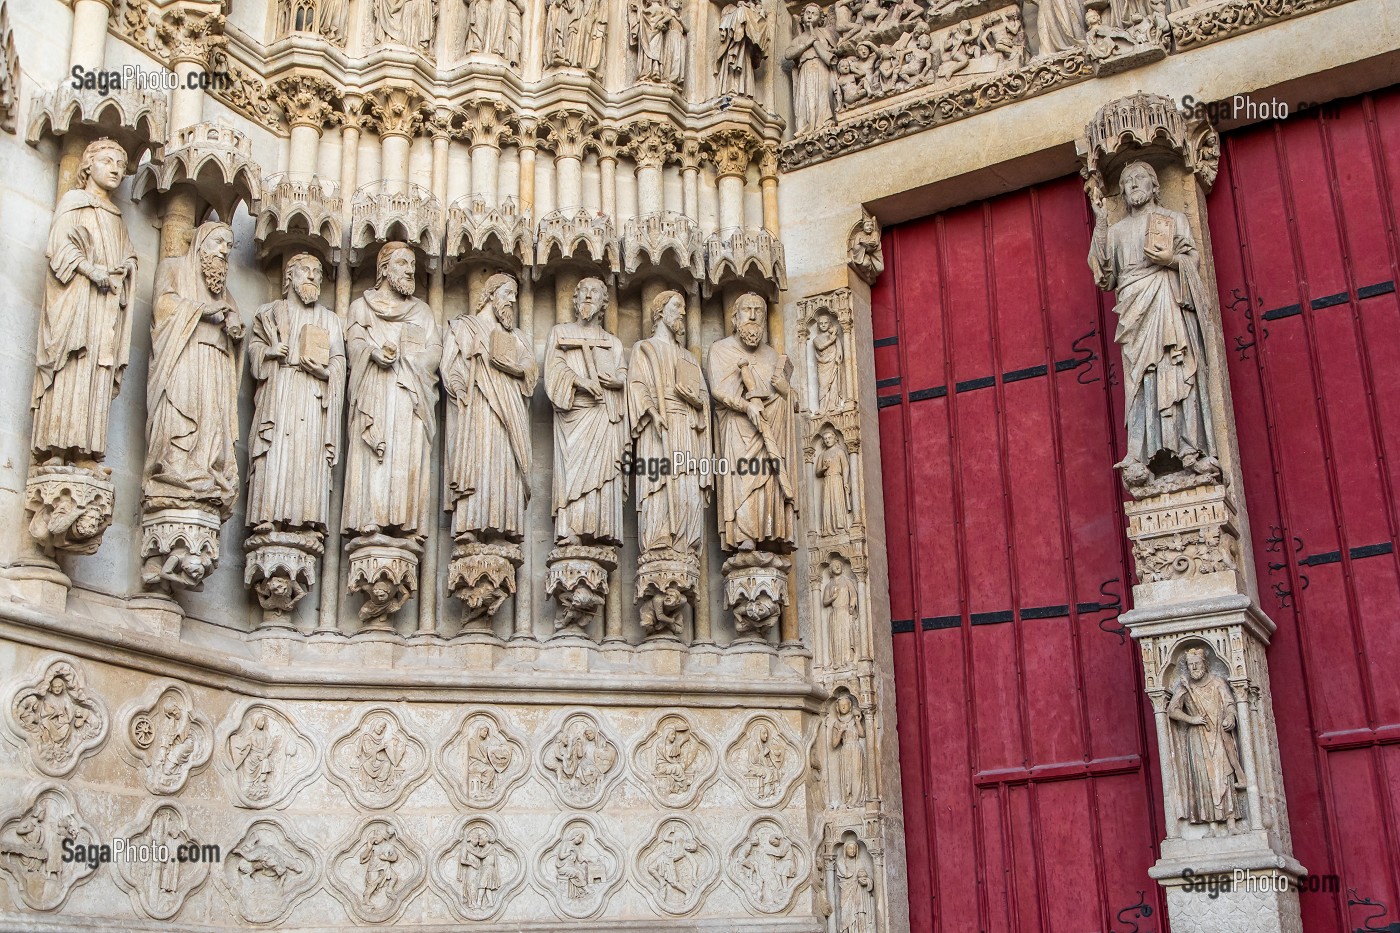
189 35
690 177
398 119
306 102
730 151
569 137
88 47
487 128
607 171
650 144
768 180
1196 615
525 140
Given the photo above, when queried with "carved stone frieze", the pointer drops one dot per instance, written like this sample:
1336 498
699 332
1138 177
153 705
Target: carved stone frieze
166 737
300 214
379 760
676 866
382 211
578 869
213 159
376 870
265 756
482 760
479 869
270 870
767 866
764 762
55 718
580 761
675 762
477 229
32 848
650 238
158 887
1213 22
134 117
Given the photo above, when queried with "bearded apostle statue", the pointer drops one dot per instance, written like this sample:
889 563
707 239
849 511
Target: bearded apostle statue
1151 260
670 412
84 343
1209 773
742 46
190 479
586 380
296 354
394 348
489 372
755 414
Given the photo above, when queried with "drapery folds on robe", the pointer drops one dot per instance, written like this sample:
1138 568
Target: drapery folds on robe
670 505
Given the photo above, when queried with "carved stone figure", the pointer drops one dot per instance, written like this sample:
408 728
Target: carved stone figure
376 871
495 27
296 354
477 870
1151 260
409 23
840 605
1061 25
169 739
490 373
378 761
266 757
158 888
855 891
743 45
581 761
57 718
829 355
674 762
674 867
656 33
763 762
332 20
833 469
864 253
810 62
579 870
268 872
845 752
32 844
767 866
1104 40
574 33
1204 751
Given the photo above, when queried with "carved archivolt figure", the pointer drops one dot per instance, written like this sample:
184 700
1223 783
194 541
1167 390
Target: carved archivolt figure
192 389
754 414
1207 758
85 327
1151 260
410 23
833 471
810 61
394 347
840 601
743 45
494 26
845 754
586 378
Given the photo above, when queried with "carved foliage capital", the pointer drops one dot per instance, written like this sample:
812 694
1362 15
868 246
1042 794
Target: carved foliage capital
395 110
729 150
651 143
487 122
190 34
306 100
568 132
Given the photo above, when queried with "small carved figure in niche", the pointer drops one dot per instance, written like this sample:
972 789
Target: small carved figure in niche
830 353
479 869
409 23
488 756
85 328
764 763
577 866
855 891
59 717
769 868
380 855
846 751
574 34
743 45
840 599
833 482
809 60
580 757
259 756
192 388
674 868
1209 772
675 756
495 27
1151 260
379 756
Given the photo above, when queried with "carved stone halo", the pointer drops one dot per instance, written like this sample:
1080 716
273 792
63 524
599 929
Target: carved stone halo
376 870
158 889
41 878
580 761
166 737
676 866
378 761
577 869
478 870
482 760
55 717
767 866
264 756
674 762
270 870
764 761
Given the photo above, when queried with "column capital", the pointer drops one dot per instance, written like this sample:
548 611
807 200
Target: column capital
395 110
690 153
190 33
651 143
730 151
568 132
487 122
306 100
606 142
768 162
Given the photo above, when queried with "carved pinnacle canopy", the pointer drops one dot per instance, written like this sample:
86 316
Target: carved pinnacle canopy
1148 121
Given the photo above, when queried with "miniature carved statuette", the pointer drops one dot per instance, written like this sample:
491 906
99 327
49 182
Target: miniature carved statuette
767 866
864 253
1150 259
190 480
394 347
855 888
677 866
478 870
840 602
670 413
158 888
489 372
376 871
32 847
581 761
58 719
833 470
586 381
268 872
296 354
84 344
744 35
844 752
1205 752
168 739
829 361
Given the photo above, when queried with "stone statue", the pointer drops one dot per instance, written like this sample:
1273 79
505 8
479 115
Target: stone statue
479 870
840 599
743 45
490 373
810 61
495 27
1061 25
1205 752
59 719
855 891
409 23
864 253
845 754
1151 260
332 20
574 33
833 483
656 34
85 326
829 355
296 354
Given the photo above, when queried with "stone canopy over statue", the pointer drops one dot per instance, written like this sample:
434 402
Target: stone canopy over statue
1150 258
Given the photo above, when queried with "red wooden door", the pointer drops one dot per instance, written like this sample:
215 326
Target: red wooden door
1030 794
1304 220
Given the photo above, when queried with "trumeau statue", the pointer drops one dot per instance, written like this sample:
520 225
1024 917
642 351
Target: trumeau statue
296 354
495 27
743 45
656 34
1151 260
809 60
1209 774
410 23
84 344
